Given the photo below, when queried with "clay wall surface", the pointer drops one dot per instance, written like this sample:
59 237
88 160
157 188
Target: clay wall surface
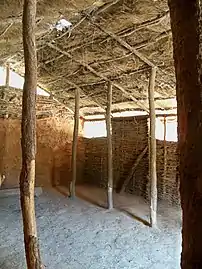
53 158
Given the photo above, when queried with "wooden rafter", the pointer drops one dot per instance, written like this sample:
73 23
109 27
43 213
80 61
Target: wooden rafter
140 70
125 44
56 100
93 71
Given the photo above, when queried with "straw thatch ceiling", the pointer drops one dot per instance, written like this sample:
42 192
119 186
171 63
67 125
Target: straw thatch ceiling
103 45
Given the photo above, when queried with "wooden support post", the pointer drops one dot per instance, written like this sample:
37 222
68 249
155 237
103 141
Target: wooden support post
28 141
74 144
7 82
137 161
186 27
109 147
93 71
164 156
152 148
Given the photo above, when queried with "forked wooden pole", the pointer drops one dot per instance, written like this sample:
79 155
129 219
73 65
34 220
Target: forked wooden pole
152 148
74 144
109 147
28 142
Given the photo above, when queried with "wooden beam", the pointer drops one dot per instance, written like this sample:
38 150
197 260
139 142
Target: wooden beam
109 147
28 141
65 106
92 70
125 45
152 149
137 161
75 143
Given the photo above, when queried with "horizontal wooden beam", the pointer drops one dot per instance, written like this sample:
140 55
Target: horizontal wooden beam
124 44
92 70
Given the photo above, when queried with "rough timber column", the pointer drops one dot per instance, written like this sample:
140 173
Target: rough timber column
187 42
109 147
7 75
75 143
28 142
152 149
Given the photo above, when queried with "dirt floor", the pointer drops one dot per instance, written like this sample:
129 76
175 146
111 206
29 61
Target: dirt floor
75 234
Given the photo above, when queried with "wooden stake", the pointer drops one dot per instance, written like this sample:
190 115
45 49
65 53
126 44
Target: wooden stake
7 82
109 147
75 142
164 156
28 142
152 148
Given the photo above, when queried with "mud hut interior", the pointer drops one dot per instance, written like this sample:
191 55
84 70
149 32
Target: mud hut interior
106 183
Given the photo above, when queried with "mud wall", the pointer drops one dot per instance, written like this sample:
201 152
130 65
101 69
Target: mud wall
53 159
130 137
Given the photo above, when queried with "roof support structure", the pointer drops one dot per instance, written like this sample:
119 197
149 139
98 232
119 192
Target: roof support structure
74 145
92 70
152 149
81 91
109 147
125 45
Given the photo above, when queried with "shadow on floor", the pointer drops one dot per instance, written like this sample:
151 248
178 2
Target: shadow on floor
133 206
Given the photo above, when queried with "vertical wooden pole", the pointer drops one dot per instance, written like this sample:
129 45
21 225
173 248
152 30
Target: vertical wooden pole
109 147
75 142
152 148
186 27
7 82
28 141
164 154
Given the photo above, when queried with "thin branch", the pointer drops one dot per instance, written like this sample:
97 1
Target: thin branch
6 29
92 70
125 45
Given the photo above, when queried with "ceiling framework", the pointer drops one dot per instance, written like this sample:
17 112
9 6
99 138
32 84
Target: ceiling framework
110 41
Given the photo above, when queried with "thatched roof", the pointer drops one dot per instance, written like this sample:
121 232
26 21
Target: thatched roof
113 41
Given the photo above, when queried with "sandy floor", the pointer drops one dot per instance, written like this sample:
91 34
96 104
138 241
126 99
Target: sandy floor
79 235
